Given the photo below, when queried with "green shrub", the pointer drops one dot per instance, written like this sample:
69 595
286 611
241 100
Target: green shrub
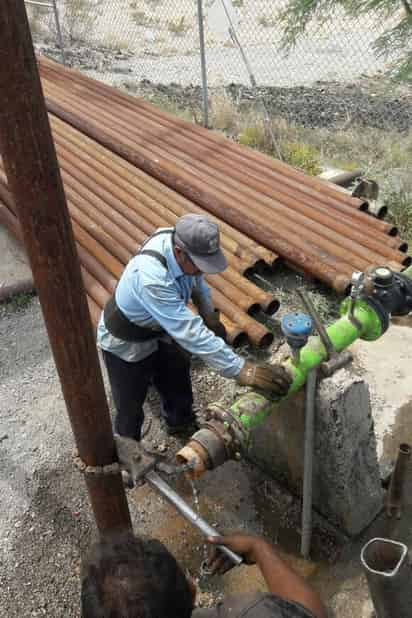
399 204
302 156
178 27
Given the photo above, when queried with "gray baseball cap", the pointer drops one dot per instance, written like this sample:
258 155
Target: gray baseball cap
199 237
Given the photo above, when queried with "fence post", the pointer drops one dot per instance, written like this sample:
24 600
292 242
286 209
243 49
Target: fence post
203 64
53 6
59 32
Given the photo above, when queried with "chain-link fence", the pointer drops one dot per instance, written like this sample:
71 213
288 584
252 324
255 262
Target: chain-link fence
161 39
329 98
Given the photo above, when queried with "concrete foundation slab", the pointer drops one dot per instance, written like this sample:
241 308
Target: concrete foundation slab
346 484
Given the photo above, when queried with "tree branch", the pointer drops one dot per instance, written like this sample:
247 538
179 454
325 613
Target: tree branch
407 7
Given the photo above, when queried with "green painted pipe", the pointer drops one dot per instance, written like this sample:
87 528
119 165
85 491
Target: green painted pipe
252 409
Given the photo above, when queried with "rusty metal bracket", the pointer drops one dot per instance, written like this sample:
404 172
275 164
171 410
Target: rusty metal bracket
113 468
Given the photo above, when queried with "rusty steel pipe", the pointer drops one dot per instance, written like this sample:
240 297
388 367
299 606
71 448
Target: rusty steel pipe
267 301
95 268
212 139
106 186
257 333
112 264
89 262
311 259
33 176
145 220
107 241
9 219
228 292
94 289
47 66
277 206
372 258
103 160
92 206
106 201
235 335
95 312
232 293
339 245
262 179
236 328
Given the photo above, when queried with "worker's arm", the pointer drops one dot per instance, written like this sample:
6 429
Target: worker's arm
280 579
202 299
188 329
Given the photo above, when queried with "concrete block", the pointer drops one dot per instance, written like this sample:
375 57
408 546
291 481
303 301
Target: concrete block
346 480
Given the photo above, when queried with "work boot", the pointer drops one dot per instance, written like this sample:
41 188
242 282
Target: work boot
185 430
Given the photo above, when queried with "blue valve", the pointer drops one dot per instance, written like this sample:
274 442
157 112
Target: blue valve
297 327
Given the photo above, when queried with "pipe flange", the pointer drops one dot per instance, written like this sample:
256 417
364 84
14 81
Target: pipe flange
213 444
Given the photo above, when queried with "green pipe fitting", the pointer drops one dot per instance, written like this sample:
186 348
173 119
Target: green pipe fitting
364 323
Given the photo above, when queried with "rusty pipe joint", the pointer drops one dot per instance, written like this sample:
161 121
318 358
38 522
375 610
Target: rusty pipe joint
220 438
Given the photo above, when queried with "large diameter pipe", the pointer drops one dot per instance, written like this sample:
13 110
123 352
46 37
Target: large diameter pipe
144 218
124 174
87 85
229 180
96 279
264 166
388 572
33 175
260 183
311 259
188 513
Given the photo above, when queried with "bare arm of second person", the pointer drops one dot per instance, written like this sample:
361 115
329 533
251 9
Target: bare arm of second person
280 578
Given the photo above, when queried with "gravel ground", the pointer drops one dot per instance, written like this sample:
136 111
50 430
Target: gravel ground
45 522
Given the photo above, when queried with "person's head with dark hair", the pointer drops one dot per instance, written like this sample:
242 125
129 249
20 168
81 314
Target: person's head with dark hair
129 577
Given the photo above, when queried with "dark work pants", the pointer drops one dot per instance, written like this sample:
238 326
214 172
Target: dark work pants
168 370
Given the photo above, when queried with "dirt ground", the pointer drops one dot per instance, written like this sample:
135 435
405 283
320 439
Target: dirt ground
45 520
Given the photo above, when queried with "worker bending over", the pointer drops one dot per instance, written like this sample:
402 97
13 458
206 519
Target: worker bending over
147 332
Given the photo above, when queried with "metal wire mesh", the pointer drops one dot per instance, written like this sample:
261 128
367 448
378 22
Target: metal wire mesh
162 41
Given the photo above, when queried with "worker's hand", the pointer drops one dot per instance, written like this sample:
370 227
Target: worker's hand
273 379
244 544
212 321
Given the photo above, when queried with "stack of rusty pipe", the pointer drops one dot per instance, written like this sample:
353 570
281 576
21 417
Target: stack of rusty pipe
114 207
310 223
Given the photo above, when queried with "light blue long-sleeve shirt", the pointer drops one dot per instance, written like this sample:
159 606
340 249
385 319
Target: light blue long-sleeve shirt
150 295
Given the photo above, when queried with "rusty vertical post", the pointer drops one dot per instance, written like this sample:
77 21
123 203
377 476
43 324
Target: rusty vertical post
34 178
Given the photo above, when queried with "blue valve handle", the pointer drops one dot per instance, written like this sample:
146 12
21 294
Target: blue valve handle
297 327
